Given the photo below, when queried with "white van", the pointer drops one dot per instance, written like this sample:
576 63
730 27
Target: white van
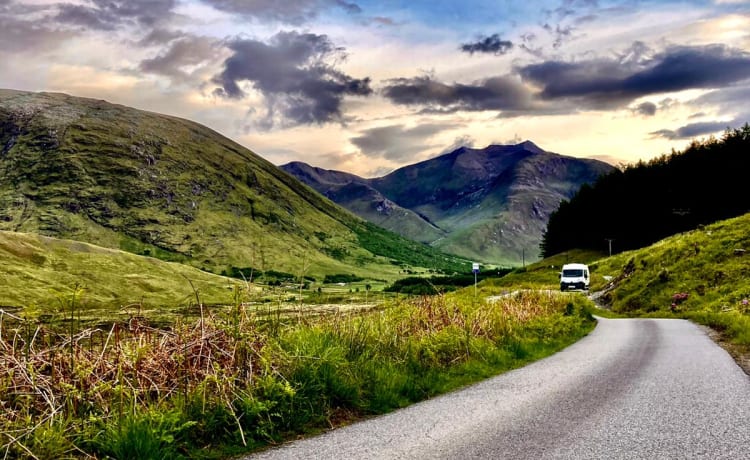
574 276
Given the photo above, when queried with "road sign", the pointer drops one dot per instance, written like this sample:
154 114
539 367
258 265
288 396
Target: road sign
475 267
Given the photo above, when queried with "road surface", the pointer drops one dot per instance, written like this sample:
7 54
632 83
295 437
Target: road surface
632 389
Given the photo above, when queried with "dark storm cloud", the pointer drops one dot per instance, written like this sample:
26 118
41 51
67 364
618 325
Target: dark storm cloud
492 45
110 14
289 11
724 103
497 93
692 130
183 52
396 142
45 26
18 35
647 109
609 83
27 27
295 75
726 98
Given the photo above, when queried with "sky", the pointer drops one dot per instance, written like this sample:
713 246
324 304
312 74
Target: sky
369 86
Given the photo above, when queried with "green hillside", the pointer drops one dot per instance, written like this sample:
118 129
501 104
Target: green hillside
157 185
707 269
358 196
41 274
702 275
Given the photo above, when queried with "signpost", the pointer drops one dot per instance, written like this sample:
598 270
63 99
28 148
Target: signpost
475 270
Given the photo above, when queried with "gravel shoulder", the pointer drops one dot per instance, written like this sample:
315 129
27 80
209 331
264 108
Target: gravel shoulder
740 354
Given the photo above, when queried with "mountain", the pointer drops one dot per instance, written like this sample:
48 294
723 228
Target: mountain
152 184
488 204
357 195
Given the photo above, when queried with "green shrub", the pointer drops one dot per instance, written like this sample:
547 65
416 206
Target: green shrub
152 435
341 278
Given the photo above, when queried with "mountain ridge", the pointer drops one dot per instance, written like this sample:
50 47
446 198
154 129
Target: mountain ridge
489 204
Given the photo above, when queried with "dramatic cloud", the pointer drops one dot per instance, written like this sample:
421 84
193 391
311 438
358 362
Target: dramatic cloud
647 109
160 37
726 98
559 33
183 53
608 83
492 44
290 11
396 142
295 74
693 130
18 35
497 93
110 14
28 28
460 141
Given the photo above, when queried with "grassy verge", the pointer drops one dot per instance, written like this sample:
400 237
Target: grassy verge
700 275
233 383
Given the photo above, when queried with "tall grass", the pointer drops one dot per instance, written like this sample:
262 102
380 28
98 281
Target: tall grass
225 385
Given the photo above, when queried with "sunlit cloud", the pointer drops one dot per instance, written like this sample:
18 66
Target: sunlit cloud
371 86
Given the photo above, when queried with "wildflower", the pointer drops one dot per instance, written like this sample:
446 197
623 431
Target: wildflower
680 297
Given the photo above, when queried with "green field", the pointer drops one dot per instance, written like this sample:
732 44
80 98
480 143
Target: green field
255 374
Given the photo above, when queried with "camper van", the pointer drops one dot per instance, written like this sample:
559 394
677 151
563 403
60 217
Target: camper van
574 276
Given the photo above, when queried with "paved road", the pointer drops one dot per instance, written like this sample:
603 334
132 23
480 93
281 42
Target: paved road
633 389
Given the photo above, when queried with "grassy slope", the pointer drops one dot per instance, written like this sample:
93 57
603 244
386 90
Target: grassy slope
493 222
706 264
358 196
147 183
39 272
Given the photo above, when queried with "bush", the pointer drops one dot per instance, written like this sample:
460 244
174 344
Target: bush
341 278
153 435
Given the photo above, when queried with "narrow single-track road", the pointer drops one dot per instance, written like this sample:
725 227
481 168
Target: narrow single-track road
632 389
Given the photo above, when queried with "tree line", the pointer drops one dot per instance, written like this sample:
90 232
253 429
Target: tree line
639 204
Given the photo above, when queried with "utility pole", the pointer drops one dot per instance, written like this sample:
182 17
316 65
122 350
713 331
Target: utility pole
523 257
475 269
609 240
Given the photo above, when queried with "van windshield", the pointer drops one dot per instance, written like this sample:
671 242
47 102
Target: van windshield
572 273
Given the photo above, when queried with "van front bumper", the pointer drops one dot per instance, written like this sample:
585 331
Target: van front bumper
566 286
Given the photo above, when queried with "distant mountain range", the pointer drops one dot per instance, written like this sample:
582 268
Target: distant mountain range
151 184
488 204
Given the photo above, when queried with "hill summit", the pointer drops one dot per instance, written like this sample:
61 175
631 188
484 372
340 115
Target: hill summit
488 204
152 184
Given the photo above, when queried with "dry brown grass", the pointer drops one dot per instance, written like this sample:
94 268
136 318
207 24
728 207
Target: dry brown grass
50 375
